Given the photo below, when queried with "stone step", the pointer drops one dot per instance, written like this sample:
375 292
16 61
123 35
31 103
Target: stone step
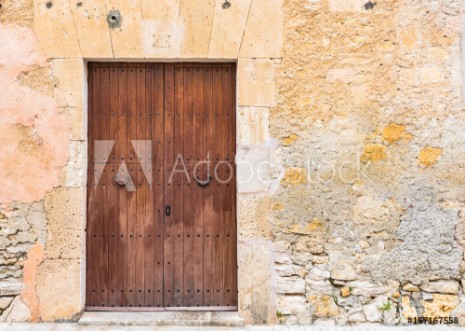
164 318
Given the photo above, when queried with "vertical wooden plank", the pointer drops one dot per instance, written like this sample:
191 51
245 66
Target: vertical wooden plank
218 192
179 182
98 169
208 191
199 171
104 180
169 116
132 192
233 188
158 135
228 196
187 133
149 238
121 144
113 190
90 265
187 112
140 164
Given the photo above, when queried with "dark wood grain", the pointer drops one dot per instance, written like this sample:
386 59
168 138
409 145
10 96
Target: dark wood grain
169 115
139 258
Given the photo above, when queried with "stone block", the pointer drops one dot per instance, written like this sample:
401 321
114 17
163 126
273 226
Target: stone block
10 287
290 285
366 288
441 286
69 91
441 306
254 275
197 18
64 210
228 29
357 318
291 304
127 38
18 311
261 37
253 125
59 289
324 305
162 38
55 29
372 313
408 311
409 287
5 302
253 216
90 21
75 173
256 82
343 271
319 274
253 169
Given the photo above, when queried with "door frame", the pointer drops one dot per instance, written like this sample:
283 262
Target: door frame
86 174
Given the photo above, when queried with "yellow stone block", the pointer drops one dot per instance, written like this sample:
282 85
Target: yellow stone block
324 305
63 208
407 310
90 19
256 82
55 30
253 125
441 306
228 29
69 91
263 36
59 289
197 17
345 292
127 39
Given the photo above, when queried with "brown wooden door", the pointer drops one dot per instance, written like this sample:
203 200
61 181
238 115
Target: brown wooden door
161 220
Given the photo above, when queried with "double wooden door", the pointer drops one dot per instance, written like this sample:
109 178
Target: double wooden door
161 209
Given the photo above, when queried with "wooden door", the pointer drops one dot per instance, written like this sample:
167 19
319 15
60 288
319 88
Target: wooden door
161 211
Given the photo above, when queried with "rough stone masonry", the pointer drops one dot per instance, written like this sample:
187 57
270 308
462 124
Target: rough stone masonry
357 107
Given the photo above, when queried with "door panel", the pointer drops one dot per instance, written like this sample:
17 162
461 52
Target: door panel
161 230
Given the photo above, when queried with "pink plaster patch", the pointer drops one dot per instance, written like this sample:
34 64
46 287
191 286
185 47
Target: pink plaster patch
35 137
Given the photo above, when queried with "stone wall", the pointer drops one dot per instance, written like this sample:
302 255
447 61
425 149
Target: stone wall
367 221
350 125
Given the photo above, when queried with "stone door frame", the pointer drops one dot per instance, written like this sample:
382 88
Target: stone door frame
254 84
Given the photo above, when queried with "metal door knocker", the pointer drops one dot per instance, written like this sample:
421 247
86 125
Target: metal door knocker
203 183
121 179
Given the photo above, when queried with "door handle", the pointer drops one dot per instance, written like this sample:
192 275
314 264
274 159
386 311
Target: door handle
203 183
168 210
